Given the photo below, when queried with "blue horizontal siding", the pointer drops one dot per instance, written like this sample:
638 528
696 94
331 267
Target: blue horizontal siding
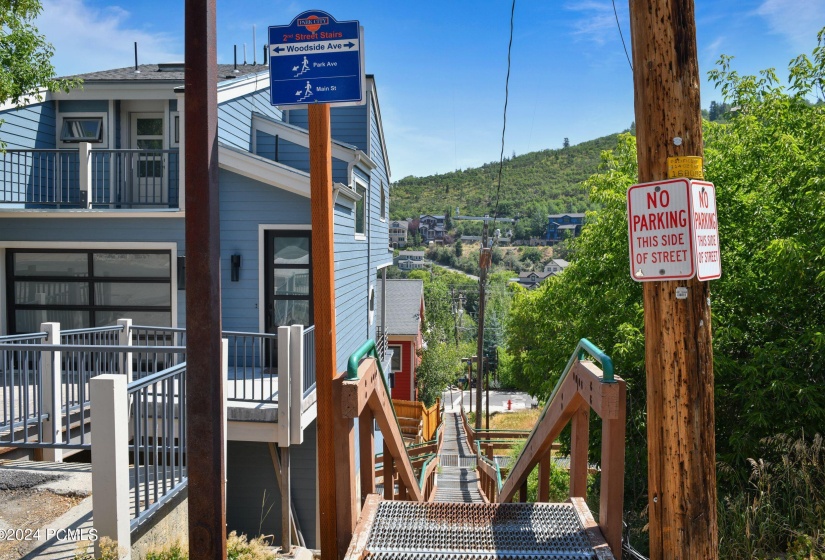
235 118
30 127
244 204
347 124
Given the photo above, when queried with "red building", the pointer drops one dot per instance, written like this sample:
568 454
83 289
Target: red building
405 318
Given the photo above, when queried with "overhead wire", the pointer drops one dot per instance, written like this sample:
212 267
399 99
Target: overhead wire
506 100
621 35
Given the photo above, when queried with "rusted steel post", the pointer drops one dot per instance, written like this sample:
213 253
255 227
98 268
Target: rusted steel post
204 398
323 293
678 352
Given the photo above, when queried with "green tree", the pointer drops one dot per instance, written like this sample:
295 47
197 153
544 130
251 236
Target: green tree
458 248
769 306
25 55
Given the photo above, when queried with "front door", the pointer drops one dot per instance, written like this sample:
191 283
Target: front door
148 165
288 276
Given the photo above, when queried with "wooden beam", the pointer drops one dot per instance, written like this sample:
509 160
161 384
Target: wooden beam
381 407
323 297
592 530
296 526
611 494
579 440
602 397
356 392
366 443
564 405
544 478
286 501
389 473
346 501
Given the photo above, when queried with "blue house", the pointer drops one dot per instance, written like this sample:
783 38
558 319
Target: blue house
562 226
92 230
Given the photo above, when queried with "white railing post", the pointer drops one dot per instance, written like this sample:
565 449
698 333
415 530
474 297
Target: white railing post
110 461
181 153
52 402
284 392
225 374
125 339
85 158
296 372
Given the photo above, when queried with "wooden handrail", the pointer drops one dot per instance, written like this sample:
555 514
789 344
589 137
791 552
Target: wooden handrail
366 396
584 388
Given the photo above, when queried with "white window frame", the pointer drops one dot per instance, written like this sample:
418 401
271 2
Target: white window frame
104 132
400 356
361 236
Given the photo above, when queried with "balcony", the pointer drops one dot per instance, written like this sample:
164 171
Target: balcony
90 179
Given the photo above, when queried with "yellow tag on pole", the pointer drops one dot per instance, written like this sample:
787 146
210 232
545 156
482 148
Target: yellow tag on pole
689 167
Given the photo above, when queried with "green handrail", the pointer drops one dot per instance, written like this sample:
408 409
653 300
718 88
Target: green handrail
424 471
352 374
584 346
587 347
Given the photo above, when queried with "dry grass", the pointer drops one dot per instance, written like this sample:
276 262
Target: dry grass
519 420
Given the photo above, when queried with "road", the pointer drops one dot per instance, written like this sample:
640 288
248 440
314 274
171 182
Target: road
498 400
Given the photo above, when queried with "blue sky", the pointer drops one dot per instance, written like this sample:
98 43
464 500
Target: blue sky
440 66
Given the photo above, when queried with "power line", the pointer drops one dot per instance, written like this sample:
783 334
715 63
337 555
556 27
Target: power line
506 99
615 13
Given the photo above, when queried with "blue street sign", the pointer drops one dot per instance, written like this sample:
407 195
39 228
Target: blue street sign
316 59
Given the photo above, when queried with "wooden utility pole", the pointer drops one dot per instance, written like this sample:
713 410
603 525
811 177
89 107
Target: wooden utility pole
323 292
204 400
483 263
678 352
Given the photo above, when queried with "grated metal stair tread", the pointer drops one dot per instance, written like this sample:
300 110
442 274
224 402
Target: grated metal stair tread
457 479
454 531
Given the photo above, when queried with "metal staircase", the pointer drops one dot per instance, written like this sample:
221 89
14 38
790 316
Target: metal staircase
454 520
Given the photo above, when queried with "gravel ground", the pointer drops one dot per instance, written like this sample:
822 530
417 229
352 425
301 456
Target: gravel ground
19 480
25 508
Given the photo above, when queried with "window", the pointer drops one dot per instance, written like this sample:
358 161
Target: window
288 279
87 129
395 365
82 289
175 132
361 211
383 201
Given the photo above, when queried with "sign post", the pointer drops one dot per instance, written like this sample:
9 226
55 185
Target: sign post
317 61
677 320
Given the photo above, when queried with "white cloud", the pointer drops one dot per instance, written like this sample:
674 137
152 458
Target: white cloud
798 21
596 22
88 39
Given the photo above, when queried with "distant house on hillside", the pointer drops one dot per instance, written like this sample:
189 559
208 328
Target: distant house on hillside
560 226
532 279
404 318
411 260
431 228
556 266
398 233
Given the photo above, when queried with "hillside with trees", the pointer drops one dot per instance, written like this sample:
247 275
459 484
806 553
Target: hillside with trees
533 184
